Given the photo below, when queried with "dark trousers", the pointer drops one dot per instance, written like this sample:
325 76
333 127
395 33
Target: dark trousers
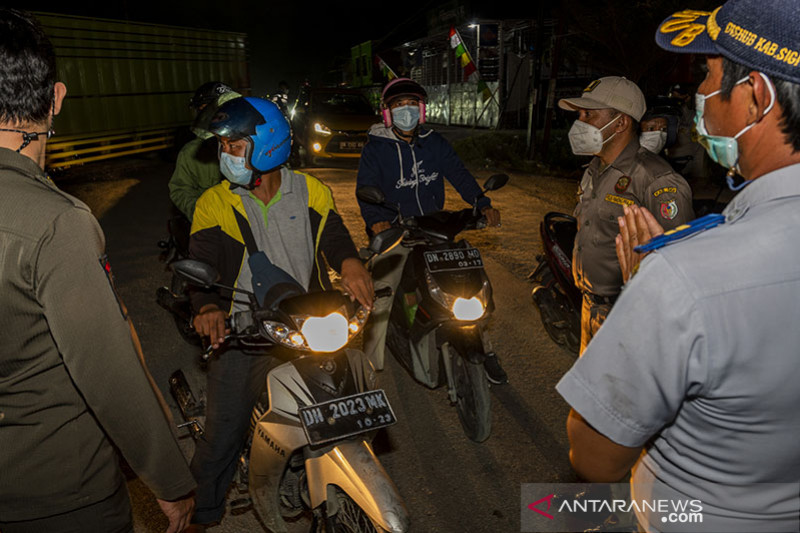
234 382
112 515
593 314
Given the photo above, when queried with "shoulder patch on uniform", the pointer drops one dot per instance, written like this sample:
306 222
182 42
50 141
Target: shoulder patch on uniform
684 231
669 210
622 184
662 190
619 200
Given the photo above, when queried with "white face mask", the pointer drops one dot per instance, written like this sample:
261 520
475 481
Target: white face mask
234 169
655 141
586 139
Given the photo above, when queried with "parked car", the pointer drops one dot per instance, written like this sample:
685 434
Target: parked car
331 123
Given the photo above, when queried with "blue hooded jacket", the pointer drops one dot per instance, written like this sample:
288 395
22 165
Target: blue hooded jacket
410 175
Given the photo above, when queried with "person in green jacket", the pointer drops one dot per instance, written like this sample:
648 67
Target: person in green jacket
197 166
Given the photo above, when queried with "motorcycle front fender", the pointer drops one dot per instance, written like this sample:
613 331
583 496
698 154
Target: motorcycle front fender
353 467
466 339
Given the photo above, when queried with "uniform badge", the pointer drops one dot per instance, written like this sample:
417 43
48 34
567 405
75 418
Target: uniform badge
669 210
622 184
619 200
661 191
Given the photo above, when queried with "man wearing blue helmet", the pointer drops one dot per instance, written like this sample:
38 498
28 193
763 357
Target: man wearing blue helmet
290 217
692 380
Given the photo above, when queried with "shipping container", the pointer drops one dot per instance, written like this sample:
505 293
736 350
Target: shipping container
129 84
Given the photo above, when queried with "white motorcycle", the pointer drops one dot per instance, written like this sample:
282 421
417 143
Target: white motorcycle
309 448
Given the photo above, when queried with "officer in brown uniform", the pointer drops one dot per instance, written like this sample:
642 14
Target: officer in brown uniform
621 173
72 385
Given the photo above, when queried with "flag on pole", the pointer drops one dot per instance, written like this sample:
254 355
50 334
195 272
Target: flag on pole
484 89
471 72
386 70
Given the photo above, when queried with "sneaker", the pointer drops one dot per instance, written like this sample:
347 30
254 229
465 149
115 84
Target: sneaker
494 372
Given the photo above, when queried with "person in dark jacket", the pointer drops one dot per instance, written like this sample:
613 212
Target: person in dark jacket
292 219
409 163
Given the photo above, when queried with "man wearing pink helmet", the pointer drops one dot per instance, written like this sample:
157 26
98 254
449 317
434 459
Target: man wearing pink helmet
407 162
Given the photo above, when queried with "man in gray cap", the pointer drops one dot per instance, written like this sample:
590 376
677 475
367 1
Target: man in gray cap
698 365
620 174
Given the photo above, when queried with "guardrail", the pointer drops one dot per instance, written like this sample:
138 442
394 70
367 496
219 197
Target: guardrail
64 152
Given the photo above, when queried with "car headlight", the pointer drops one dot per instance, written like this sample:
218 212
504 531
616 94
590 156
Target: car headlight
318 333
471 309
321 128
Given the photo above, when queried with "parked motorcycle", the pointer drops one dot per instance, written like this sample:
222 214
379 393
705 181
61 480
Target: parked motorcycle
554 292
437 326
175 298
309 446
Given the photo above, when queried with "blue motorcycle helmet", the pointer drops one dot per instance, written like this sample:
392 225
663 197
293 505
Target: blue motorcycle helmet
263 125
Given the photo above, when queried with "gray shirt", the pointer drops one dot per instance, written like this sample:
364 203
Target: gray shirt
287 224
700 361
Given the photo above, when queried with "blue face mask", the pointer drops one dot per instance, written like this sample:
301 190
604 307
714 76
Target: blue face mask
406 117
725 150
234 169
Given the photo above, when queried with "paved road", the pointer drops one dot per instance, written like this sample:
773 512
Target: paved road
449 483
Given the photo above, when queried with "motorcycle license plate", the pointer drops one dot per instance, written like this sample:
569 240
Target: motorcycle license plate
346 416
459 259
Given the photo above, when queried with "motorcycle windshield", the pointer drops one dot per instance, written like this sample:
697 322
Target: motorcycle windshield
445 225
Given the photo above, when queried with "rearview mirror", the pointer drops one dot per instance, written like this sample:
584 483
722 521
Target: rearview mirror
370 195
495 182
386 240
196 272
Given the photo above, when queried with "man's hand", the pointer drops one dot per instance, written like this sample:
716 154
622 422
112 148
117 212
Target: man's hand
492 216
380 226
357 281
636 227
179 513
210 322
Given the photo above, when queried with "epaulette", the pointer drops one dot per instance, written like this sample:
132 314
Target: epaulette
682 232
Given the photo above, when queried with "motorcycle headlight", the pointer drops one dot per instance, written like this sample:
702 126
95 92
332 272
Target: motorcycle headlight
471 309
318 333
284 336
357 321
321 128
327 333
462 308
